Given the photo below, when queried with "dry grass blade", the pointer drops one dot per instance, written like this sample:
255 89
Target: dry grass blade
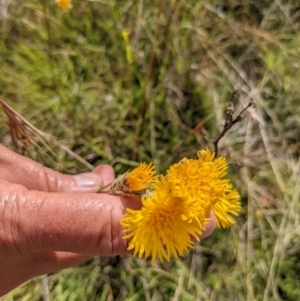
24 134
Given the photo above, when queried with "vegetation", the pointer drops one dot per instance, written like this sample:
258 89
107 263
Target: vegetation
121 82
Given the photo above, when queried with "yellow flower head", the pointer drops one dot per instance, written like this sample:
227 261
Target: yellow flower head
64 4
200 181
176 207
139 179
162 227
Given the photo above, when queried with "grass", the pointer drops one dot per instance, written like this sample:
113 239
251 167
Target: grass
124 81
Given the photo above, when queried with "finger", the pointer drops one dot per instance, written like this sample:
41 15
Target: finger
15 272
34 176
210 227
50 262
107 173
85 223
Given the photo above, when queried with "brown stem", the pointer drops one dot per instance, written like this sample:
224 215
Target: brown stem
229 122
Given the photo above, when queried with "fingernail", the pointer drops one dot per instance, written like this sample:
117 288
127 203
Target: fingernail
88 182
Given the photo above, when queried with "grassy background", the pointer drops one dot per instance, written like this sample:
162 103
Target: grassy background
125 81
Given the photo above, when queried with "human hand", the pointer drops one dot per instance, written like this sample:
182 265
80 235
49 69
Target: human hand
50 221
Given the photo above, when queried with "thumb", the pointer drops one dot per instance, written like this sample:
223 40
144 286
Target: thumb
86 223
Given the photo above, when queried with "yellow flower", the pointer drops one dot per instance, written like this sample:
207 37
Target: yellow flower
200 181
162 227
64 4
176 207
139 179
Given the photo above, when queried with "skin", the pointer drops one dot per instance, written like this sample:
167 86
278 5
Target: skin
50 221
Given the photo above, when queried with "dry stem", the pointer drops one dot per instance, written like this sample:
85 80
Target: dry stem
229 122
23 134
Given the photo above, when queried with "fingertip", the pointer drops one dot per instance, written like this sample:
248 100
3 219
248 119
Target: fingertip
210 227
107 173
131 202
89 182
101 176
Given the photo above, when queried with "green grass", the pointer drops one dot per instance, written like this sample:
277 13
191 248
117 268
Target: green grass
120 82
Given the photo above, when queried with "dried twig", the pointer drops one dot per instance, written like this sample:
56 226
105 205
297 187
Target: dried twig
23 134
229 122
